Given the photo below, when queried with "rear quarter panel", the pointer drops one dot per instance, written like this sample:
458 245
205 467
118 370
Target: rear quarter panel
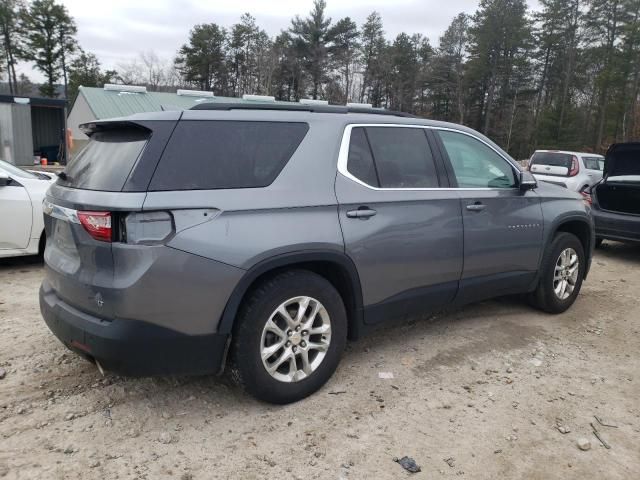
297 212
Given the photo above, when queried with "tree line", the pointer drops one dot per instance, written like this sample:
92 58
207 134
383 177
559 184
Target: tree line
564 76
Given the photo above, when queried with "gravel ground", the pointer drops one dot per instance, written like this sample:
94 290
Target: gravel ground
496 390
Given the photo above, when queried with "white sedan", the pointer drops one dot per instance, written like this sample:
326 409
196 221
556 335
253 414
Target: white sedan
21 221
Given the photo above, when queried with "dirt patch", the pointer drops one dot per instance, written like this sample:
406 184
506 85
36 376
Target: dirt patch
485 392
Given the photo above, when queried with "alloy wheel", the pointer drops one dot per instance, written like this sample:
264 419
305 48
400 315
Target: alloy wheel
295 339
565 275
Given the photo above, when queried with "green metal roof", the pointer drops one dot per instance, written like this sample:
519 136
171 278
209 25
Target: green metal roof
112 103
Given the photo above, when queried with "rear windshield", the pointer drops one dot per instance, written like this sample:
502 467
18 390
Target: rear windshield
552 159
208 155
106 161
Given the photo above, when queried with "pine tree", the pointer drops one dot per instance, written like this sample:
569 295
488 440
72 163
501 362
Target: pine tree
499 35
447 73
373 47
85 70
604 22
201 62
66 31
49 32
10 30
345 52
312 39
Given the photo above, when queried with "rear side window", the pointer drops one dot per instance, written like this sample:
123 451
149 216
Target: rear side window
209 155
106 161
552 159
403 157
360 163
392 157
593 163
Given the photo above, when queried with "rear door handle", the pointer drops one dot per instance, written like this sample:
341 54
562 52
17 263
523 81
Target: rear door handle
476 207
362 212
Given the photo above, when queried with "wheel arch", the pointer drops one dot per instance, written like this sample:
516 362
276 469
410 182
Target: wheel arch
336 267
581 228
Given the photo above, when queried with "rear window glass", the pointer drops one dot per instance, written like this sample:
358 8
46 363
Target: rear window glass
208 155
552 159
106 161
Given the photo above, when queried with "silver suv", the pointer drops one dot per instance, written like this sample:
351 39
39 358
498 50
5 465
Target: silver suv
263 236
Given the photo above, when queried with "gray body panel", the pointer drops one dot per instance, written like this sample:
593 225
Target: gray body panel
504 237
414 240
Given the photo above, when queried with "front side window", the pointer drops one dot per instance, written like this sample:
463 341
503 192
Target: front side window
392 157
475 164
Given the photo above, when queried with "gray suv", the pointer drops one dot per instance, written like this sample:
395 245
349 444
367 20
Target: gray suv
263 236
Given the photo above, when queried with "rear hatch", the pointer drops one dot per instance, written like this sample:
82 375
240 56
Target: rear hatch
84 211
556 164
620 189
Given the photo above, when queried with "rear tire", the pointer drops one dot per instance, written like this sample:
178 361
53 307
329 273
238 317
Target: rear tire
561 274
290 334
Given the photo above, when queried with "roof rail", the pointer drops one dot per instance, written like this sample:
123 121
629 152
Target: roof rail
291 107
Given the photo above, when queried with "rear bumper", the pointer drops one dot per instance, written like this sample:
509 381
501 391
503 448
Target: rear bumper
130 347
617 226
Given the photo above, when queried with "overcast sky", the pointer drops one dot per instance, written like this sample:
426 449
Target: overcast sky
117 30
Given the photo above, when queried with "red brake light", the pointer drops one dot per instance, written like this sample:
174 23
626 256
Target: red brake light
575 166
586 198
97 224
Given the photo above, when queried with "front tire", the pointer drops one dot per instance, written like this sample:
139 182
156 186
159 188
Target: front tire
290 334
561 274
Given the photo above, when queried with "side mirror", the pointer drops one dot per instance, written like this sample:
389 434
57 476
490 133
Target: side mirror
527 181
4 179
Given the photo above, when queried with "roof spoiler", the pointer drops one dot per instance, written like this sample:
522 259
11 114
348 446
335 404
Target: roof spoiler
100 126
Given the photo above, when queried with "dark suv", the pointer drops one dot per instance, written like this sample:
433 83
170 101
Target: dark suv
264 236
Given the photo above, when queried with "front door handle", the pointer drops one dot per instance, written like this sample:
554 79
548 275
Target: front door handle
362 212
476 207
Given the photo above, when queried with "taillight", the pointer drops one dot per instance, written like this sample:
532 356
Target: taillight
586 198
575 166
97 224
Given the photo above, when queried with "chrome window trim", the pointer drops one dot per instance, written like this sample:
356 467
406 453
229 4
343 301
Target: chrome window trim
343 158
62 213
